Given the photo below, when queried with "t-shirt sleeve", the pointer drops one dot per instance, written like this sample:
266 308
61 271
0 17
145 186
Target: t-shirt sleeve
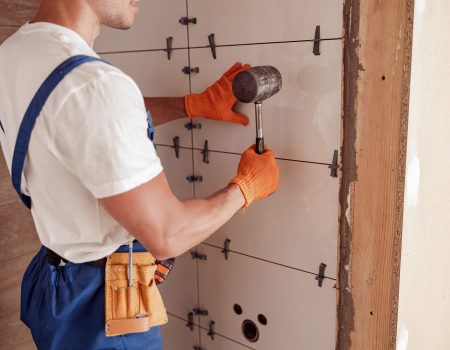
101 136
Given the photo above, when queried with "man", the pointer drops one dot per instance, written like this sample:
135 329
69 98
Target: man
95 181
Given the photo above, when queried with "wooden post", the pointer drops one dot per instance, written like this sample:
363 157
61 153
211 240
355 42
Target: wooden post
377 60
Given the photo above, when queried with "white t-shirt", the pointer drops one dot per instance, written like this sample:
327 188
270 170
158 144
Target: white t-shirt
89 142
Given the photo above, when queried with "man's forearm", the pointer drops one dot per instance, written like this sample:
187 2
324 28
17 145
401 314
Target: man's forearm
165 109
202 217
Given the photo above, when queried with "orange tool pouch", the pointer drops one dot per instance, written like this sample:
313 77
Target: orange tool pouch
132 309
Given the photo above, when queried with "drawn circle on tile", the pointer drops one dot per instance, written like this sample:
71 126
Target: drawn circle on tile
250 331
237 309
262 319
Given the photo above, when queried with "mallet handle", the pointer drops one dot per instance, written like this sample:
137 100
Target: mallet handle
259 128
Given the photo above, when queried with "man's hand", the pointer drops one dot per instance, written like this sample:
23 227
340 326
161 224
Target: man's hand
258 175
216 102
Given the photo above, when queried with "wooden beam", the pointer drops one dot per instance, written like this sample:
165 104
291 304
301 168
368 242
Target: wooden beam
377 60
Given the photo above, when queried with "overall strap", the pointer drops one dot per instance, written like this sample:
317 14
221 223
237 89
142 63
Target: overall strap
151 128
32 113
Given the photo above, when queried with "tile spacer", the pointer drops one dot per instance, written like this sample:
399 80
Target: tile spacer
205 152
189 70
190 323
176 146
334 165
191 125
316 48
321 276
226 248
201 312
185 20
196 255
212 45
169 48
212 331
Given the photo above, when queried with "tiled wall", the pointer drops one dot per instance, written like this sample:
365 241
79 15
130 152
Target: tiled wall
18 238
277 245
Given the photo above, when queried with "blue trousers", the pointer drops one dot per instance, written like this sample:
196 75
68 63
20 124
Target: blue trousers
64 308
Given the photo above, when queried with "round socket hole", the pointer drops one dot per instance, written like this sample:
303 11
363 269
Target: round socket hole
237 309
262 319
250 331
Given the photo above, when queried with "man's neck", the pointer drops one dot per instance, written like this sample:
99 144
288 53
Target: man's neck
73 14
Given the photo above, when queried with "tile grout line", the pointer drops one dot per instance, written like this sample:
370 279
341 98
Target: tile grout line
193 172
269 261
223 45
239 154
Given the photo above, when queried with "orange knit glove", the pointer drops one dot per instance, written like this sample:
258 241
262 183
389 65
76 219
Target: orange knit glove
217 100
258 175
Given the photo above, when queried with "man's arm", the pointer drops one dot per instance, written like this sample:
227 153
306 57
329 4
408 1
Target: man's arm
216 102
168 227
165 109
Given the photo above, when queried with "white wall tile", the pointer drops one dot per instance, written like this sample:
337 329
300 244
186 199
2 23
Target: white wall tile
297 226
219 343
179 291
300 315
176 336
302 121
156 20
156 76
177 169
251 21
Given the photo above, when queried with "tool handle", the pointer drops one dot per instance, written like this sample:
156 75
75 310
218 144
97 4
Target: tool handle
260 145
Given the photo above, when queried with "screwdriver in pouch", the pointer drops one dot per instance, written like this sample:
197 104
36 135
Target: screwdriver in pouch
130 274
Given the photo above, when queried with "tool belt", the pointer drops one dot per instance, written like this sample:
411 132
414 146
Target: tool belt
133 303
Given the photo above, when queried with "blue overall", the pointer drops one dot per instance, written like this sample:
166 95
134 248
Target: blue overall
64 305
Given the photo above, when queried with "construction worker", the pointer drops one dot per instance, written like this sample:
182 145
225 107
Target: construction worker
75 134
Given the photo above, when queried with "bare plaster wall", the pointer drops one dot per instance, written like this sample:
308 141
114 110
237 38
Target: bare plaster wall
424 303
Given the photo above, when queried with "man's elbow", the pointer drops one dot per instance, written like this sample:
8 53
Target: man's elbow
162 248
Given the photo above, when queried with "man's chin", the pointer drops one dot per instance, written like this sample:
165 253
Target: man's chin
120 26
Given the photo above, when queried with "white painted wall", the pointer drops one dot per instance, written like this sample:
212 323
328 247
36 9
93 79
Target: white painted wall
424 306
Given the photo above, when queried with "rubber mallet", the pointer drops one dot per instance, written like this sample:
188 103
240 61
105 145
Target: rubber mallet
254 86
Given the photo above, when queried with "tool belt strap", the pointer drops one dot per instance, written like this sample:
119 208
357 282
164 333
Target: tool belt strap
125 326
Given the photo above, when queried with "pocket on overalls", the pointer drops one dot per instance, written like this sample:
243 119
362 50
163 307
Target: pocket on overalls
132 309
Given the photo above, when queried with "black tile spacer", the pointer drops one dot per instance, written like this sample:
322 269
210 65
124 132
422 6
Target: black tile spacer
191 125
169 48
185 20
205 152
316 49
226 248
176 146
189 70
212 329
321 276
196 255
190 323
201 312
212 45
334 165
194 178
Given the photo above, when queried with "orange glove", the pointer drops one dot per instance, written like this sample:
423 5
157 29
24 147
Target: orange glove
258 175
217 100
